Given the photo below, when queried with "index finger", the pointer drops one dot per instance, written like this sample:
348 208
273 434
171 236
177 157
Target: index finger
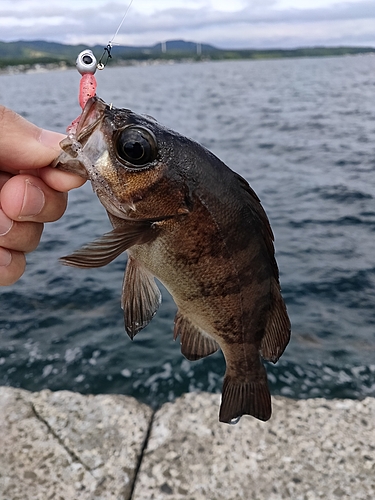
23 145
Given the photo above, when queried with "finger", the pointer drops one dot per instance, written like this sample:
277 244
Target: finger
4 177
20 236
38 147
12 266
60 181
27 198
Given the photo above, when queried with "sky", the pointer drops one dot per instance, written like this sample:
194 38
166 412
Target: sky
223 23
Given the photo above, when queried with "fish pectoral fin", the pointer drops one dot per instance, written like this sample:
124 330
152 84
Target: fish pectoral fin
277 331
105 249
248 398
195 343
140 297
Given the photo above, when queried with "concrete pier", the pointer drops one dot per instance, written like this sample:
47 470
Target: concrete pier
63 445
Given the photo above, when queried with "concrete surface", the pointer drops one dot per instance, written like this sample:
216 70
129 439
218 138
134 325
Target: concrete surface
64 446
311 449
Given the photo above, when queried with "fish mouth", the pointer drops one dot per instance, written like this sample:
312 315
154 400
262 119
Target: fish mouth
92 115
73 159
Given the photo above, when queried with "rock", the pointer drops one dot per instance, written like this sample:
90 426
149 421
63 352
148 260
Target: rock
64 445
310 449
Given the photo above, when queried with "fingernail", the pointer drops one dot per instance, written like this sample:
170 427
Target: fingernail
50 139
5 257
6 224
33 201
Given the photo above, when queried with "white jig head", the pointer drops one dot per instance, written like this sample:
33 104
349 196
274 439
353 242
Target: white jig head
86 62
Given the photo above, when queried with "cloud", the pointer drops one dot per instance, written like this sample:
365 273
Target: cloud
259 23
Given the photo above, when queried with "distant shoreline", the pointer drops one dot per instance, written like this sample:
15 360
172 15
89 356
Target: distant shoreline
31 67
43 68
38 55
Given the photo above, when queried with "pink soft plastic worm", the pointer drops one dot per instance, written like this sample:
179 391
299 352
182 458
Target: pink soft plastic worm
87 88
86 65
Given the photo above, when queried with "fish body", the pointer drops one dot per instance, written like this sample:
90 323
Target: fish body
185 218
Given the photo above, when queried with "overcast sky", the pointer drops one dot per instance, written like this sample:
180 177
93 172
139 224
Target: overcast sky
224 23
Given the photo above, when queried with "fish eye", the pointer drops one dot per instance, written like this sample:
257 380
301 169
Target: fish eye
136 146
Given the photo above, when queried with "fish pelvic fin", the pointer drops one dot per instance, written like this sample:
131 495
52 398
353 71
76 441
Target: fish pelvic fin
277 331
140 297
105 249
195 343
247 398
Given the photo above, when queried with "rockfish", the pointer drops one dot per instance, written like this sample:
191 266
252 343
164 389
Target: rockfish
188 220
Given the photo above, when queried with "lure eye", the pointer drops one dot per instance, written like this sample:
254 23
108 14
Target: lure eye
136 146
86 62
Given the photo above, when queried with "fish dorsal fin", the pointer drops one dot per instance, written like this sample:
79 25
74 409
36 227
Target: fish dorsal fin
195 343
277 331
253 203
105 249
140 297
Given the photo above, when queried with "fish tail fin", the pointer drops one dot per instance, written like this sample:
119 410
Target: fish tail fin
277 331
247 398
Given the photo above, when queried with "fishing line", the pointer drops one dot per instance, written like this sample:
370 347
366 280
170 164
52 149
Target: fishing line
107 50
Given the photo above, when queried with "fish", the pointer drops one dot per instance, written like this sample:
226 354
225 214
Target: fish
191 222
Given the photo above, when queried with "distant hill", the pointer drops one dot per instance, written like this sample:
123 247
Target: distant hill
43 53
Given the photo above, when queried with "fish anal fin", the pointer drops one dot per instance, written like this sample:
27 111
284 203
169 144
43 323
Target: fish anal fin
248 398
277 331
105 249
140 299
195 343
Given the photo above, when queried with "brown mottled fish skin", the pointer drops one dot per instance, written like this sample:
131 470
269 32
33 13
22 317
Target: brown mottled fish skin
187 219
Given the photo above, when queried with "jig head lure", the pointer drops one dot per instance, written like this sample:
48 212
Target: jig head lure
87 65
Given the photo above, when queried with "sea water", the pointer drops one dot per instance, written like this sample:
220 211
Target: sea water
302 132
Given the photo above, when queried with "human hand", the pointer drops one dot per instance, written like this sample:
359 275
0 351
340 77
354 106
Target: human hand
31 192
